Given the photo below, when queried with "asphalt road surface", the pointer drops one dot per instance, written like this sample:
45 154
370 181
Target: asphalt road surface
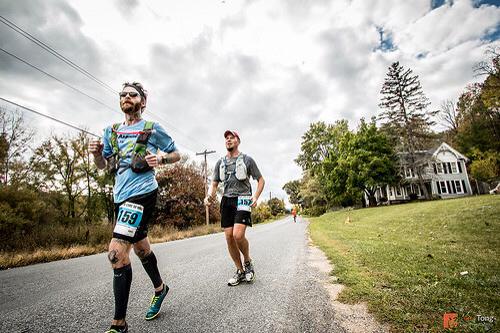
76 295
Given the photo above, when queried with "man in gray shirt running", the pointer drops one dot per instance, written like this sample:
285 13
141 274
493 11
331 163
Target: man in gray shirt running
235 170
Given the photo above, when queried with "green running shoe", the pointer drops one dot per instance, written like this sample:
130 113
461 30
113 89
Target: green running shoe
118 329
156 301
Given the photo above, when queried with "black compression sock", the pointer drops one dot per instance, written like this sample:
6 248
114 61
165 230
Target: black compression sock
158 293
122 280
151 267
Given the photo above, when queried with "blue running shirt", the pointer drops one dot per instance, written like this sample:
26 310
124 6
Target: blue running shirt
127 182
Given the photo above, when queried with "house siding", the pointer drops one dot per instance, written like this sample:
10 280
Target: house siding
445 175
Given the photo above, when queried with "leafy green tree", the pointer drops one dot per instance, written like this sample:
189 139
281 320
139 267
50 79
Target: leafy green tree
486 166
405 108
477 126
277 206
57 165
292 189
313 195
319 143
370 160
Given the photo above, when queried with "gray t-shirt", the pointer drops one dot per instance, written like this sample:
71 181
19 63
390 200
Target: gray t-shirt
232 186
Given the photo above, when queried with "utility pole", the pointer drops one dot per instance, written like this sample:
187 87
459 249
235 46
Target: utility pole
205 153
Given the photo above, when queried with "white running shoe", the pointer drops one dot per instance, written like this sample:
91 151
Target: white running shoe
236 279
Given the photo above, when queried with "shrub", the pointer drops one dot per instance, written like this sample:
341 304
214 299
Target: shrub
22 212
261 213
315 211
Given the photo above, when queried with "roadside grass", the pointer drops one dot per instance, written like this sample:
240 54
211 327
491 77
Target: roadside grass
82 244
50 242
413 263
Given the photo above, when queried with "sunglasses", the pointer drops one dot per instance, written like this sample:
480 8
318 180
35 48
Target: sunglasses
130 93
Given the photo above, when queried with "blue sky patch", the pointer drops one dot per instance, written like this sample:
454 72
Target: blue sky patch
479 3
437 3
386 44
492 35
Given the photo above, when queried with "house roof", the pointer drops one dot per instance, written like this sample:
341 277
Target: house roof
433 152
446 147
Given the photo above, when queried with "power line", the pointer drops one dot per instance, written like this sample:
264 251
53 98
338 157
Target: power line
87 95
58 80
49 49
49 117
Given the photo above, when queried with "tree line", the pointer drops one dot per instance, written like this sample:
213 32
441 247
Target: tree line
55 184
51 193
342 166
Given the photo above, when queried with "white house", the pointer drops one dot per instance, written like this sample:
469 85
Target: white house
444 175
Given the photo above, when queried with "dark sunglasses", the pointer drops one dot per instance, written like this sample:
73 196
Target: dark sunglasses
130 93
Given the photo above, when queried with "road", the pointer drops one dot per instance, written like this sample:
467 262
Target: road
75 295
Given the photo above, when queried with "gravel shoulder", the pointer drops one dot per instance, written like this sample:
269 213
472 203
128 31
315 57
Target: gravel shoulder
351 318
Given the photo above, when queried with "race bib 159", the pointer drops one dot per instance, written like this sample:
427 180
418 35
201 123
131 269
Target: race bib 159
244 203
129 218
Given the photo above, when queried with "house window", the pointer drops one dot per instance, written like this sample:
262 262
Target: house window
390 192
398 190
443 187
439 168
458 186
409 172
415 189
453 167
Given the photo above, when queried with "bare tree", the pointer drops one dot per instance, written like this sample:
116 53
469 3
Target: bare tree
448 114
14 139
490 66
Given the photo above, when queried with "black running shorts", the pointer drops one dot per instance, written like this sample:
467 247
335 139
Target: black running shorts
128 218
231 215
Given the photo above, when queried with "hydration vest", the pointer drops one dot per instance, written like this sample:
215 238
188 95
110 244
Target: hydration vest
240 171
138 163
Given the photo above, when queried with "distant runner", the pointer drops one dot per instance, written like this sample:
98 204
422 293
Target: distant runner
131 150
294 214
234 170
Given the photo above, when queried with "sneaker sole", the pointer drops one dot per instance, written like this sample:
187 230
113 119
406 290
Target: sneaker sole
151 318
233 284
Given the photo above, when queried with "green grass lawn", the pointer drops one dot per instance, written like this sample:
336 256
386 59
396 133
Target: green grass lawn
413 263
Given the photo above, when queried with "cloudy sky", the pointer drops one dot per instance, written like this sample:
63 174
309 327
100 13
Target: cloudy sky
264 68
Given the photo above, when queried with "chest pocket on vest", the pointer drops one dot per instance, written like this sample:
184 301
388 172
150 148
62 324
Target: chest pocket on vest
240 169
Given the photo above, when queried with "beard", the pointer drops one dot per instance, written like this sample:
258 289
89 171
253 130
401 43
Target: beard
230 149
131 108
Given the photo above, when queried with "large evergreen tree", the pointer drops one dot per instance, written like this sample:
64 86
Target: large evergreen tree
405 110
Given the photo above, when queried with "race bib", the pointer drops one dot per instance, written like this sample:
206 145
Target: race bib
244 203
129 218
